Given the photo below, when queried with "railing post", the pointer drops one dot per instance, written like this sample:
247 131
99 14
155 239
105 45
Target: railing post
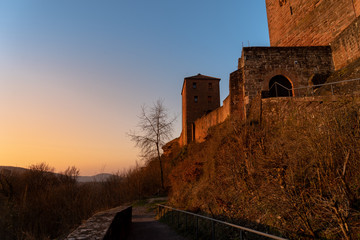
178 219
332 90
242 235
164 211
197 228
213 230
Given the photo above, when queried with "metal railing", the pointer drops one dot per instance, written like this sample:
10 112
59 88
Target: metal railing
168 212
309 90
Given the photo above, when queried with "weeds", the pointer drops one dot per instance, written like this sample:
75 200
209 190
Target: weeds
298 173
39 204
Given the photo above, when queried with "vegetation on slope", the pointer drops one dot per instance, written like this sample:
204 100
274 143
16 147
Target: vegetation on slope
298 174
39 204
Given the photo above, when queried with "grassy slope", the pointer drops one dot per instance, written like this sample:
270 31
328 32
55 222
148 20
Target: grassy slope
299 174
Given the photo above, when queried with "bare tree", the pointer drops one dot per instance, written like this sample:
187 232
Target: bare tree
156 127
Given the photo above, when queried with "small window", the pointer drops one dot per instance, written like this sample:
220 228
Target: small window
209 99
194 85
210 85
282 2
196 99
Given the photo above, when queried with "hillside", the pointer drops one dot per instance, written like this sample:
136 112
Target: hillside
295 170
96 178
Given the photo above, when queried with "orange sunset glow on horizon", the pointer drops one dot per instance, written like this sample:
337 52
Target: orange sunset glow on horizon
74 74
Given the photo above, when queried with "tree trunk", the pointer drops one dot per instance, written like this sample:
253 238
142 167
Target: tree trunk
161 168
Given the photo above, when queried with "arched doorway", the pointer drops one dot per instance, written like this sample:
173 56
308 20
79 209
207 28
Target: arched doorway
280 86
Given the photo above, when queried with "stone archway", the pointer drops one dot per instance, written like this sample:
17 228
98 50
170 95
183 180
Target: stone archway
280 86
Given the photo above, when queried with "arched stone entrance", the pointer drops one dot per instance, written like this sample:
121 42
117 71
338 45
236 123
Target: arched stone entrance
280 86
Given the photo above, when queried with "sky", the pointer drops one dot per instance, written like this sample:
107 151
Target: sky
75 73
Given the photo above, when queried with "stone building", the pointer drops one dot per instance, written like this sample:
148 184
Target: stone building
309 40
200 96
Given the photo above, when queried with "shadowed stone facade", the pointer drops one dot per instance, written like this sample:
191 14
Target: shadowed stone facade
200 95
297 64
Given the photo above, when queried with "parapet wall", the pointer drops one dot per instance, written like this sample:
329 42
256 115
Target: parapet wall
111 224
310 22
346 47
211 119
282 109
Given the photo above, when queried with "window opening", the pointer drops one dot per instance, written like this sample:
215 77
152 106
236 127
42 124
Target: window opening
196 99
210 85
193 131
209 99
282 2
194 85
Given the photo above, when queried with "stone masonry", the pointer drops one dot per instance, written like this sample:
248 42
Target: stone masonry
297 64
309 41
200 95
309 23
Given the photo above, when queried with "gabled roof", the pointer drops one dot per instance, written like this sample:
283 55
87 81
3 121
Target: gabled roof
202 77
198 77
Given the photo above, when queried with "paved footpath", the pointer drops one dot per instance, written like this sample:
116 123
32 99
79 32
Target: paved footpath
145 227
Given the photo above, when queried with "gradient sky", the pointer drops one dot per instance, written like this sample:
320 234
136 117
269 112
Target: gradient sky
74 73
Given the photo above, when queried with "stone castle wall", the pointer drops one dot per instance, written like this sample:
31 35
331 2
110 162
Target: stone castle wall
309 40
297 64
310 22
211 119
346 46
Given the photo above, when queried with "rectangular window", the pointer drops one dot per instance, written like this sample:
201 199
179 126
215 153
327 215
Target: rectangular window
194 85
210 85
209 99
196 99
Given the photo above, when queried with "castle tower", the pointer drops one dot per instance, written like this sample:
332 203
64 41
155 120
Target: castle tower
200 95
294 23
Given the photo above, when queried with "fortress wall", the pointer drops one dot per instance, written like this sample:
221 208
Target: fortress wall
310 22
297 64
211 119
237 94
279 110
346 47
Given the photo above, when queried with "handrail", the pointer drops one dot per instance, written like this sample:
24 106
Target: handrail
225 223
330 83
316 85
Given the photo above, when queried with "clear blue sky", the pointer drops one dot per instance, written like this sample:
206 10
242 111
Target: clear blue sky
74 73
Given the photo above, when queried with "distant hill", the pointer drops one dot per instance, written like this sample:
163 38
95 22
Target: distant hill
13 169
96 178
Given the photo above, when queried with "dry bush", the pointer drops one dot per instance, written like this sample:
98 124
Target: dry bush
39 204
298 174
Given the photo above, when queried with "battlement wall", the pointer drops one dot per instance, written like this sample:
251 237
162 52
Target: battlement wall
211 119
310 22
